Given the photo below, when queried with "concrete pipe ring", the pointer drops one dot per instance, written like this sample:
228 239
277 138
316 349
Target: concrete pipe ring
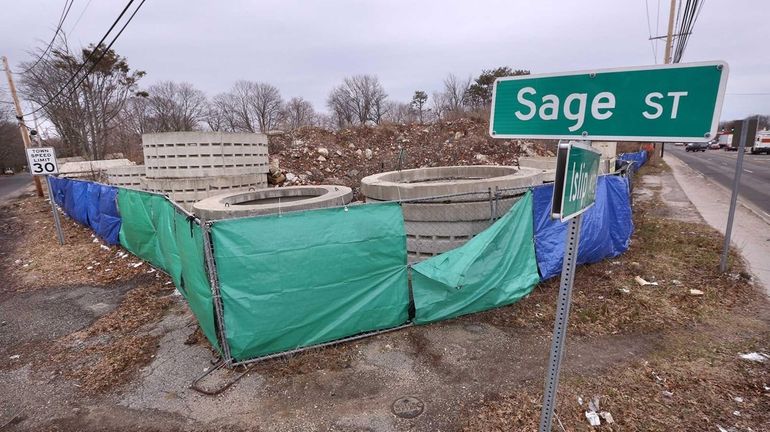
272 201
468 205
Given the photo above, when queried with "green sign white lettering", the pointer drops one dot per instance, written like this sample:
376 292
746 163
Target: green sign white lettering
577 169
679 102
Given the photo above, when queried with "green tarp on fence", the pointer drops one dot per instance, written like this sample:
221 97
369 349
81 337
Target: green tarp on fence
310 277
495 268
155 231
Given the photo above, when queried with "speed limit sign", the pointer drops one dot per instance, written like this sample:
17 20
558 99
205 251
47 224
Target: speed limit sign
42 161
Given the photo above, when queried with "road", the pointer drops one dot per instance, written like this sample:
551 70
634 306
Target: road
719 166
13 186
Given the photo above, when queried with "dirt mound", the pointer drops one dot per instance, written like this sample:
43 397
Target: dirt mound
313 155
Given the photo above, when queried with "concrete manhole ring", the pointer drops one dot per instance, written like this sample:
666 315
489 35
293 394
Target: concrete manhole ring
407 407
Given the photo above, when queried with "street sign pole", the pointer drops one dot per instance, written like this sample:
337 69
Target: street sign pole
560 325
42 162
748 131
577 170
56 220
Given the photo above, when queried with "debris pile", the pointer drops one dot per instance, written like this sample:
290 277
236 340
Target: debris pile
313 155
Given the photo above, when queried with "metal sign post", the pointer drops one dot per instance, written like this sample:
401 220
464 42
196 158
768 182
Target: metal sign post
560 325
666 103
56 221
577 171
748 131
42 162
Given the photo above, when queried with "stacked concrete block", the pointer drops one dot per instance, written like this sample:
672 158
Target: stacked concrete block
191 166
90 169
546 164
444 207
129 176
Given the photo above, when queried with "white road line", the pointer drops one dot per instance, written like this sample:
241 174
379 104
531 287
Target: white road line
748 171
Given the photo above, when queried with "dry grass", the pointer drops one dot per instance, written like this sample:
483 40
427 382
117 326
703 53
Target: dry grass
700 337
692 385
678 255
107 353
32 257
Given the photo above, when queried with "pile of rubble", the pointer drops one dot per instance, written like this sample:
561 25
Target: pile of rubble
318 156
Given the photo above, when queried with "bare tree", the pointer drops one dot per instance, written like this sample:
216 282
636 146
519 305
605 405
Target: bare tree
341 105
297 113
455 93
11 146
249 107
176 106
222 114
359 99
83 116
439 105
399 113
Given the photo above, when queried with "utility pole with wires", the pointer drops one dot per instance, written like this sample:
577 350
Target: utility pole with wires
669 44
670 34
20 117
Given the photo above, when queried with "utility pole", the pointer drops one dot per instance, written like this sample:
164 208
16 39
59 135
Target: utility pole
669 36
20 116
667 57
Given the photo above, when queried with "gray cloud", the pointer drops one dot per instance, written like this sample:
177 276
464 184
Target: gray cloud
305 48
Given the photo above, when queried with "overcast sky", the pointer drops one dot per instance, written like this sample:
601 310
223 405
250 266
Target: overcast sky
307 47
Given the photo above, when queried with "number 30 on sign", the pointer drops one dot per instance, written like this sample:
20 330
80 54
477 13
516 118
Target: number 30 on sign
42 161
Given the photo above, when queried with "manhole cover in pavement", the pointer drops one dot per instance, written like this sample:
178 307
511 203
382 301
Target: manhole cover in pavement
408 407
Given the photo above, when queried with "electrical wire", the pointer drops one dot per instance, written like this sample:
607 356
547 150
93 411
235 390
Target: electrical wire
88 58
77 21
64 13
688 19
649 32
689 32
106 50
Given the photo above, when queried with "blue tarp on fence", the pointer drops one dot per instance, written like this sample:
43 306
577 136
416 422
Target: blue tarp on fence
91 204
605 232
639 158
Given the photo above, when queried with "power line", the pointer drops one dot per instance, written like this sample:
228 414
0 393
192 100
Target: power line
86 60
62 18
649 32
77 21
689 18
106 50
695 18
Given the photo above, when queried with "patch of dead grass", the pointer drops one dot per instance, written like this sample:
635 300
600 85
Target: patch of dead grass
678 255
109 351
31 257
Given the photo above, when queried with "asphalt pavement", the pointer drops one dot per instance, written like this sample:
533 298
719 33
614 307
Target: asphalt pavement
719 167
12 186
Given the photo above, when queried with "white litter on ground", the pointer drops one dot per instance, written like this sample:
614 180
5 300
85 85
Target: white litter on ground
593 418
755 356
643 282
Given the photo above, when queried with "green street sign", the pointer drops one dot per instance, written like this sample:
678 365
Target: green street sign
669 103
577 168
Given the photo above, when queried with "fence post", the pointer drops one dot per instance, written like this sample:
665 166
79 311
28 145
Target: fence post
211 270
491 206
